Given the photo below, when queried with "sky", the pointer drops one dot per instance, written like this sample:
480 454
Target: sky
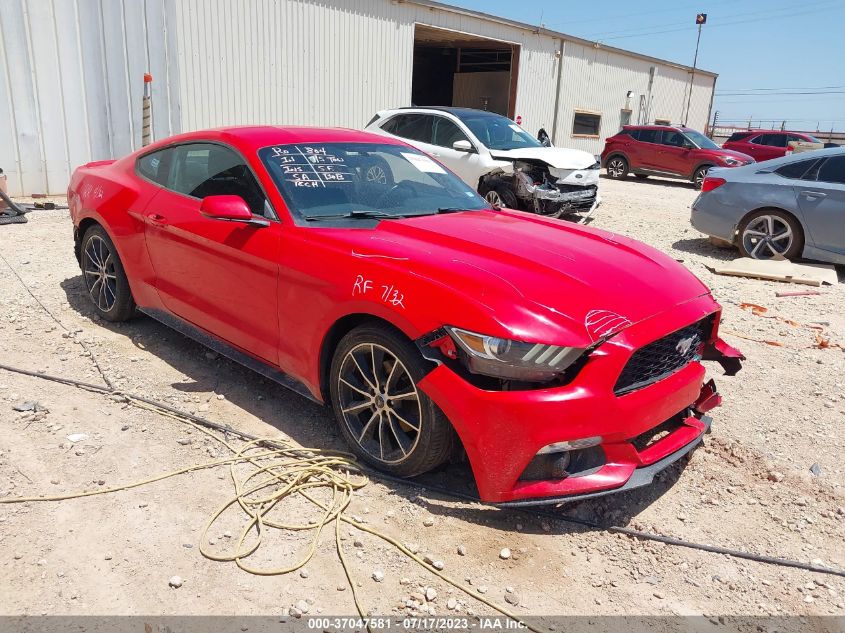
776 59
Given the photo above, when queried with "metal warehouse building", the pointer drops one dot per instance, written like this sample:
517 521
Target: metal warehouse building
71 74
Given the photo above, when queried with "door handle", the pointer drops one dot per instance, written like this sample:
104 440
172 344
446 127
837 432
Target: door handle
814 194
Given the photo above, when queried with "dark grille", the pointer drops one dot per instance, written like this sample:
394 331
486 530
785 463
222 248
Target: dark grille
662 357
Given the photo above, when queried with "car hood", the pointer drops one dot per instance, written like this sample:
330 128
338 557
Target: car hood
733 154
558 157
534 277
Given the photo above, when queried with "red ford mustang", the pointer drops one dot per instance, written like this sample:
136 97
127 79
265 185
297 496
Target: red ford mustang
360 272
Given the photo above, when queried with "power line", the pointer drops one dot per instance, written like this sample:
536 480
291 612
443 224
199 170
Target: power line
712 26
776 94
729 16
639 13
769 89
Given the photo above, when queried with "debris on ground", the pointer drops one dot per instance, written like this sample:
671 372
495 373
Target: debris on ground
779 270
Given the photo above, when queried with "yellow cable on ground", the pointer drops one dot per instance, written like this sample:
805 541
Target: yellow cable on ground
280 469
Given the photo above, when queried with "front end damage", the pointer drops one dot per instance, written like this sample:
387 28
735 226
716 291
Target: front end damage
638 404
550 191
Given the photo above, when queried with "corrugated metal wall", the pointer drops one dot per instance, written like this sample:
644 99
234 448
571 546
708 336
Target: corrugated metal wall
329 62
597 80
71 80
71 73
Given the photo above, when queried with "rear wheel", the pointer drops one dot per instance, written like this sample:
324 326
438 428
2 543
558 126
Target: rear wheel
617 167
105 279
769 233
386 419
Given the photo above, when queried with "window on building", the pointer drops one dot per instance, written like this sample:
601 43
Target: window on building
586 124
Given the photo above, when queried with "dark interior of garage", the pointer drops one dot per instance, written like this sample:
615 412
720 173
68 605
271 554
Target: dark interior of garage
457 69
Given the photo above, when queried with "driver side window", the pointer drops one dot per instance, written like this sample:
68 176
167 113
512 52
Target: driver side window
446 132
673 138
206 169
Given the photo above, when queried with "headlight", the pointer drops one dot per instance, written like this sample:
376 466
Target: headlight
513 360
733 162
597 164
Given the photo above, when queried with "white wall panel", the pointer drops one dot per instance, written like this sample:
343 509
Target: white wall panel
597 80
71 82
75 96
28 166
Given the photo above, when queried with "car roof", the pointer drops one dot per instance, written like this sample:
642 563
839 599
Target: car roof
454 111
656 127
251 138
799 156
764 131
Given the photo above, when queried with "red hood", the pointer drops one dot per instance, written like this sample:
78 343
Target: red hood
529 272
732 153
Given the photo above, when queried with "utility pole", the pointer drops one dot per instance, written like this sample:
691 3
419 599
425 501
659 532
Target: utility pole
700 20
713 126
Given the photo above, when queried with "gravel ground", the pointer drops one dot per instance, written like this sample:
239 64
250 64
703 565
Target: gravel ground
769 478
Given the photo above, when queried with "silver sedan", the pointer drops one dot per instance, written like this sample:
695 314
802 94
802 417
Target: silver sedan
792 206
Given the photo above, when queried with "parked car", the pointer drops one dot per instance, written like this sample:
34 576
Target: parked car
499 159
791 207
667 151
428 320
767 144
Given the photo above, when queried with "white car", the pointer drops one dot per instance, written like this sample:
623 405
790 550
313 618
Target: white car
491 153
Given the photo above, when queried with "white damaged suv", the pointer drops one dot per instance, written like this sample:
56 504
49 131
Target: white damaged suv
507 165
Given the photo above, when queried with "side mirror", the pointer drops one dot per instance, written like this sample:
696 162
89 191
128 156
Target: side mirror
229 209
463 146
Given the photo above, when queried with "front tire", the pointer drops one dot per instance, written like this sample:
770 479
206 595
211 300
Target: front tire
105 278
382 414
699 175
768 232
500 195
617 167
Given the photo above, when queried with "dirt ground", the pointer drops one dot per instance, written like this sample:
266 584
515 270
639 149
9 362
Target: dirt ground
769 478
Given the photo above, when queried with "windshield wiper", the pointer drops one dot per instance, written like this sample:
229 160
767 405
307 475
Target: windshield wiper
353 214
453 210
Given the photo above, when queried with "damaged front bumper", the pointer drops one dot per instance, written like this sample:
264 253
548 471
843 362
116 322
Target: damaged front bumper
613 441
557 199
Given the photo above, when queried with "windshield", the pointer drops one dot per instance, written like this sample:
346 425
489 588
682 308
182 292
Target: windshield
497 132
699 139
321 181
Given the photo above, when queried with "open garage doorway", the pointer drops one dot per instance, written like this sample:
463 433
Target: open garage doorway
463 70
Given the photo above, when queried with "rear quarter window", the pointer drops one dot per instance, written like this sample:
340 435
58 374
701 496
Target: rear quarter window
796 170
155 166
739 136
